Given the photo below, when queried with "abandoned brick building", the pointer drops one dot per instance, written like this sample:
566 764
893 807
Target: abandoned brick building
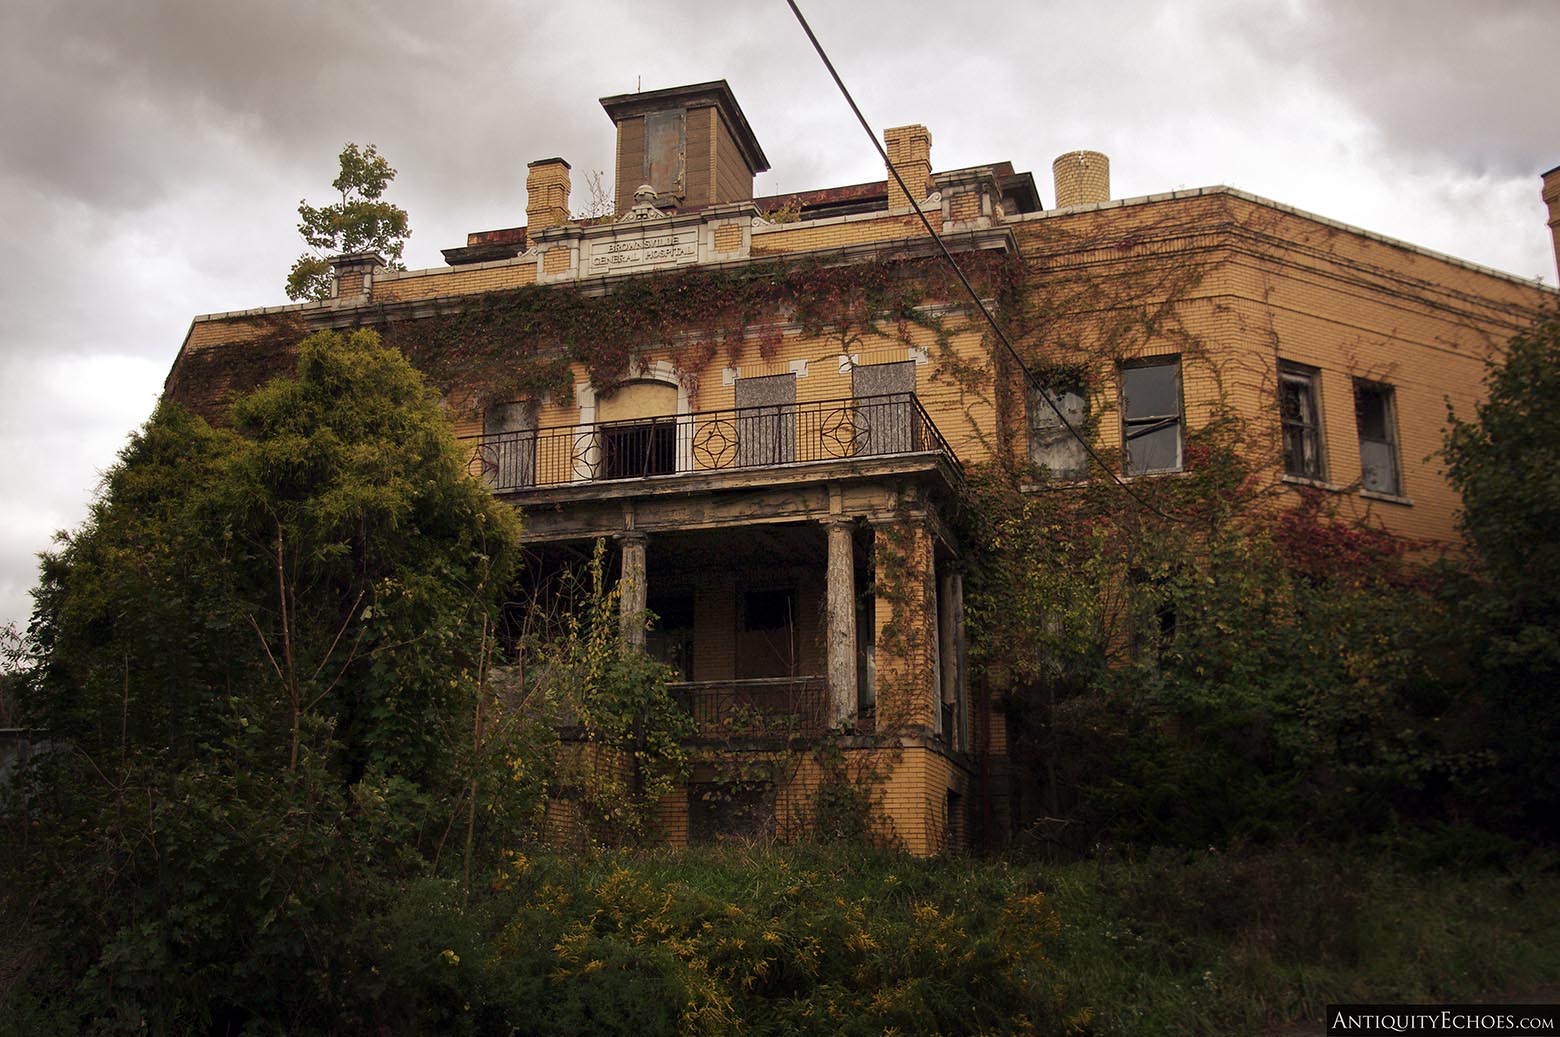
751 470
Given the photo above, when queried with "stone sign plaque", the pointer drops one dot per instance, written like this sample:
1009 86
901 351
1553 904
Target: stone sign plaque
642 250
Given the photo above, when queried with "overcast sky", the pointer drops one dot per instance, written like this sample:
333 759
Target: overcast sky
153 153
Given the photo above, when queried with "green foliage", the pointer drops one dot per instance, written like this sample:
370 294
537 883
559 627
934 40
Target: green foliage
1506 466
523 343
361 222
1248 672
258 664
14 664
628 753
835 942
1213 943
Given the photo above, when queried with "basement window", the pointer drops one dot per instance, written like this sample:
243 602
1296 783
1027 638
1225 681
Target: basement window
1299 408
1151 415
1376 417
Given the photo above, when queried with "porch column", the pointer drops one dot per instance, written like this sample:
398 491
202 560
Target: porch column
632 587
841 619
947 659
952 637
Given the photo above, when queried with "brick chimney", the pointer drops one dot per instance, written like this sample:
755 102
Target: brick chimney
547 194
1552 199
909 151
692 144
1081 178
355 274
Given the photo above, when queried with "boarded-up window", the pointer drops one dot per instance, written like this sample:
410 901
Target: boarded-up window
509 445
885 408
1052 445
766 420
665 147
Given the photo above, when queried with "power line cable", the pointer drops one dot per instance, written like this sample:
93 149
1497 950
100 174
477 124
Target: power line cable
1033 379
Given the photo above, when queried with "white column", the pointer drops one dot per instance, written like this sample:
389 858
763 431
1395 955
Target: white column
632 588
841 616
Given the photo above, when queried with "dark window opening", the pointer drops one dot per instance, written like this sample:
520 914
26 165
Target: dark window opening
768 609
637 448
766 637
671 638
720 811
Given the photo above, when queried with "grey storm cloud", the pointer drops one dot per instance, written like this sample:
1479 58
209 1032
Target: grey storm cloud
1455 80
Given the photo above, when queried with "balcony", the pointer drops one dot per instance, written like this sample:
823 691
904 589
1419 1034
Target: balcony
674 446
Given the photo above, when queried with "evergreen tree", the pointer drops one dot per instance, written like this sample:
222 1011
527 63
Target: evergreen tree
259 662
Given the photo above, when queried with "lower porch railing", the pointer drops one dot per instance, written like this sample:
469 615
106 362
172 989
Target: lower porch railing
763 707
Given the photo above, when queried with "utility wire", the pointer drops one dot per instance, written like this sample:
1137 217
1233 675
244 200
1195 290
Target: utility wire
1030 376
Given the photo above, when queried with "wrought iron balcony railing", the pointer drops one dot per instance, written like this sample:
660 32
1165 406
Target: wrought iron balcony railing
707 441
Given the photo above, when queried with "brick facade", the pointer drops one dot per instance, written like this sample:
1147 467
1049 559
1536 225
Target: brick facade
1239 293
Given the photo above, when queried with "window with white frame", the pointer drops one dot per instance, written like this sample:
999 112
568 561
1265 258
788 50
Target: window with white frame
1151 415
1375 416
1300 414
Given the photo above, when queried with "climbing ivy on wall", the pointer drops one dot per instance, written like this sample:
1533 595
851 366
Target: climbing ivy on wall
525 342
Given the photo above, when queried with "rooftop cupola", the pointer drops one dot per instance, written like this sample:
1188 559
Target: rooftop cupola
692 144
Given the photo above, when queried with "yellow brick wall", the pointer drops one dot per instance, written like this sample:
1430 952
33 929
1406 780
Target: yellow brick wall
964 414
715 627
799 237
728 237
555 260
906 635
1274 285
434 284
671 817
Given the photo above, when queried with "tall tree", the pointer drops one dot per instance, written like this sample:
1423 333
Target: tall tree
360 222
258 666
1506 466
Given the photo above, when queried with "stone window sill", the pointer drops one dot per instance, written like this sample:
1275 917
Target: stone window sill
1320 484
1389 498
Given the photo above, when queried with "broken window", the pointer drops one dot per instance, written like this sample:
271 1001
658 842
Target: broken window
638 431
1299 409
1151 415
1052 446
1376 418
